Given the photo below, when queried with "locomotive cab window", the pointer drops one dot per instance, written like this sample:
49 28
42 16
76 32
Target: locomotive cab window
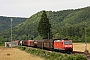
67 42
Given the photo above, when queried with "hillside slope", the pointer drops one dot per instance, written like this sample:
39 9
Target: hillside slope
65 24
5 22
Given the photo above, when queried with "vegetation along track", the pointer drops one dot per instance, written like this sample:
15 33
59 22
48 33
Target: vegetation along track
83 53
74 53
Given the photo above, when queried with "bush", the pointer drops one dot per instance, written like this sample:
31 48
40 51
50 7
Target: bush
1 44
80 57
86 51
22 48
51 55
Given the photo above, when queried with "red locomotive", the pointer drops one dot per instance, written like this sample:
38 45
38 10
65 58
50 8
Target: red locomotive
56 44
63 45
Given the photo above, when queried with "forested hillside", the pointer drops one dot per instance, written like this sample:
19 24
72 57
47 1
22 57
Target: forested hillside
72 24
5 22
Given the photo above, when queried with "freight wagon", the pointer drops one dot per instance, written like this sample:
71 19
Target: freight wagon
48 44
30 43
40 43
27 43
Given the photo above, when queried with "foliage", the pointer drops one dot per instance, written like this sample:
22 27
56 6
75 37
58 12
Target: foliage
80 57
52 55
22 48
44 26
86 51
1 44
5 22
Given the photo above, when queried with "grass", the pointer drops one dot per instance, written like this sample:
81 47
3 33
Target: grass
16 54
80 47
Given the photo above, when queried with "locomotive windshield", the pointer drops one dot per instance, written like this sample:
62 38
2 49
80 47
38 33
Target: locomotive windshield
67 42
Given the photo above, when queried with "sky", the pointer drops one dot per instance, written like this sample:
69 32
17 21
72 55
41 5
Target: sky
26 8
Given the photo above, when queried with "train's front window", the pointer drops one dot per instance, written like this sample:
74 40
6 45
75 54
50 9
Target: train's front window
67 42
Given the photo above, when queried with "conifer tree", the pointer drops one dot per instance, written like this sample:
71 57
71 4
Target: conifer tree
44 26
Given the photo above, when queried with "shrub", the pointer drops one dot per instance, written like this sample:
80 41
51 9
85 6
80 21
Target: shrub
52 55
22 47
86 51
1 44
80 57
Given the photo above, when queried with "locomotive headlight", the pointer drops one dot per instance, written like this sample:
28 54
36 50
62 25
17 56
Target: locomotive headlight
66 46
70 45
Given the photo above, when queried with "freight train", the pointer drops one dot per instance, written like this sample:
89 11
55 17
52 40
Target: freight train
56 44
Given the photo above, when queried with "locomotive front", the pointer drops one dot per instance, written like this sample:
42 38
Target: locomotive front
64 45
68 46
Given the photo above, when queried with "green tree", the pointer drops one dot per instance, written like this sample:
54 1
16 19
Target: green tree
44 26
